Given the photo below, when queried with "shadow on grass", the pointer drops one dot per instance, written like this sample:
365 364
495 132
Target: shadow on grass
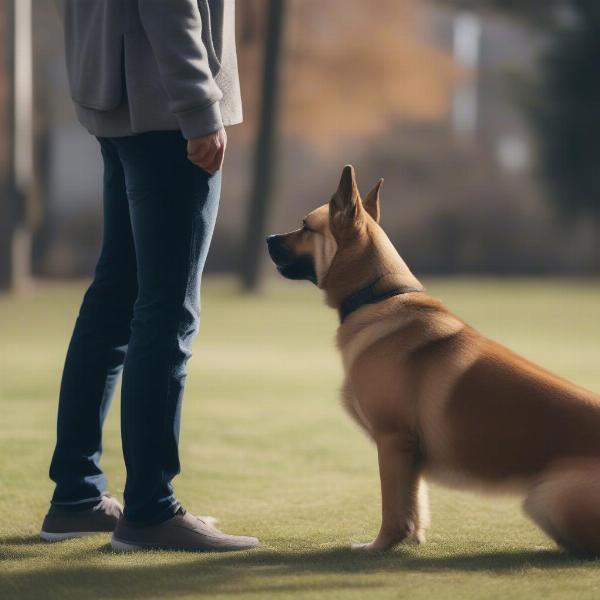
255 572
19 540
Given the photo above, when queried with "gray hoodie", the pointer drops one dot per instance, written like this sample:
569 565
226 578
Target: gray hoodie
148 65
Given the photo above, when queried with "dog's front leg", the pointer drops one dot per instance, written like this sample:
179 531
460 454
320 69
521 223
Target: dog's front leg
399 474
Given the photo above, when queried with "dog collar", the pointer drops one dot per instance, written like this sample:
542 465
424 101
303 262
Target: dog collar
375 292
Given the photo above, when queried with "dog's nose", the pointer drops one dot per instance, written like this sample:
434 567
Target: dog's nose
274 247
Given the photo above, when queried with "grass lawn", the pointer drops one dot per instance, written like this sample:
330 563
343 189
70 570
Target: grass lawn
267 448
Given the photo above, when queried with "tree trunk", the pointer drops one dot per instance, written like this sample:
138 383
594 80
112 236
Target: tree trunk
264 167
16 208
8 205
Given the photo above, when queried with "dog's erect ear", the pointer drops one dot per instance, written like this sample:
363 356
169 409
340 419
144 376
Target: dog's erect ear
345 205
371 202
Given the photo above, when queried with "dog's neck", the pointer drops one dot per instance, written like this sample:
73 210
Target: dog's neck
367 274
385 286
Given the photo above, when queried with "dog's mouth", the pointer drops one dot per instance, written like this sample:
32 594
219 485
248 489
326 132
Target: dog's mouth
288 265
301 268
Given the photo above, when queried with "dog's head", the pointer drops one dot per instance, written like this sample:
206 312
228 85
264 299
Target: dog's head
335 232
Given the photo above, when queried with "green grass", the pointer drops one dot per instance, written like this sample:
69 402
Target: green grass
266 447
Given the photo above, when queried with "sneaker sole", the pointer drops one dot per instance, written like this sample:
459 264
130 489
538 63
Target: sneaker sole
48 536
121 546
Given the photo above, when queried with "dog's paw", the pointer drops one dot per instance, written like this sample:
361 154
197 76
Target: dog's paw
386 540
417 538
376 545
368 547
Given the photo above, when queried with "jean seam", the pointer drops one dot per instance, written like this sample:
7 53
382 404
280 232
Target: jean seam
171 362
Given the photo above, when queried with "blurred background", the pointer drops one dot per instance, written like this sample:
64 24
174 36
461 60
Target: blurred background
482 116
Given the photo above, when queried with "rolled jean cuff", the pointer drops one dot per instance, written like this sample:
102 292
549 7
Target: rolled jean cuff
162 511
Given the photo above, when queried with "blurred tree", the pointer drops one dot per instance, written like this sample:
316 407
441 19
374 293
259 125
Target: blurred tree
8 212
565 104
567 115
18 215
264 155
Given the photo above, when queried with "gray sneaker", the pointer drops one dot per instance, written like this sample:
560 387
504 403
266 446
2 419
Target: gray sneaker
61 524
183 531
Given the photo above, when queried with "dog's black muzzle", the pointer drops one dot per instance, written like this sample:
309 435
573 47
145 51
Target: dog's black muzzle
289 265
280 255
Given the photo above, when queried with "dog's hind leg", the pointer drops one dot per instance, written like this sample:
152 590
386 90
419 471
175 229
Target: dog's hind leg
565 504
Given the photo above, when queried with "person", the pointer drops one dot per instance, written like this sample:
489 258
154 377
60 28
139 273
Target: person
156 82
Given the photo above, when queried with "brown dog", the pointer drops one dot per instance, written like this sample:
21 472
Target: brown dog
440 400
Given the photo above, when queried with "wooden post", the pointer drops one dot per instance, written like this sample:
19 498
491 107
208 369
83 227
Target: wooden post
23 143
8 205
16 80
265 153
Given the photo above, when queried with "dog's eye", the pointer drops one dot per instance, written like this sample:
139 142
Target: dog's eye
306 228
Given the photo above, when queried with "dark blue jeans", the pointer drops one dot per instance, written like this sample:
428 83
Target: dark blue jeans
139 316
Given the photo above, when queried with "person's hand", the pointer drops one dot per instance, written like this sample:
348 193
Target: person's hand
208 152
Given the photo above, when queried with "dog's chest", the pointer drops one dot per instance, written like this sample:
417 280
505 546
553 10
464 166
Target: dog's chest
353 407
377 403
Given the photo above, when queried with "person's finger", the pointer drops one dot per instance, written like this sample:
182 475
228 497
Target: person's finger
200 145
206 151
220 157
210 168
196 151
206 166
202 153
204 161
217 161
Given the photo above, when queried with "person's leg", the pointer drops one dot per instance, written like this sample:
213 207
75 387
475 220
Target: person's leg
96 352
173 207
